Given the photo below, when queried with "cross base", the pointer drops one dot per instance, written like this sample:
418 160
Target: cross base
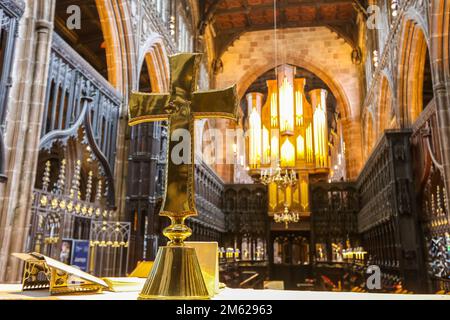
176 275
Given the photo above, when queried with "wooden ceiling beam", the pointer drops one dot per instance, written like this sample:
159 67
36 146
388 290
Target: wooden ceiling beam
77 45
281 6
347 32
343 27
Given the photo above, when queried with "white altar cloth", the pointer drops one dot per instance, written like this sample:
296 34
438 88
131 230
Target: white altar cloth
13 292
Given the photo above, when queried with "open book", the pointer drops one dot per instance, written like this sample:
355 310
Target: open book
125 284
42 272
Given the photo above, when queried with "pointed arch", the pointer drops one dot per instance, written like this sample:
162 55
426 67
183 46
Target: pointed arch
256 71
109 25
413 59
154 54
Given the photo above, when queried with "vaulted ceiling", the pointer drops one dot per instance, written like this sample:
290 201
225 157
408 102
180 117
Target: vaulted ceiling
231 18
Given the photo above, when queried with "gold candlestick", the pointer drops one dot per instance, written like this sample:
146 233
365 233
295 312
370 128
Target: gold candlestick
176 273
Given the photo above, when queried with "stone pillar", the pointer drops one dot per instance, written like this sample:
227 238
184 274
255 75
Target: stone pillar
25 110
353 147
440 62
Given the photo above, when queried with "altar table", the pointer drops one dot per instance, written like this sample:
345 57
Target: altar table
13 292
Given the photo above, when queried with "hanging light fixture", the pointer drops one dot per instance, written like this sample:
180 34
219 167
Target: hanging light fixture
288 136
286 217
283 181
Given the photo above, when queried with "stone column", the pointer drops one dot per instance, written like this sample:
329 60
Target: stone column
25 110
353 147
440 63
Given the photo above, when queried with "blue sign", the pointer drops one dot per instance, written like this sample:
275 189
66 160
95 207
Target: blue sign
80 254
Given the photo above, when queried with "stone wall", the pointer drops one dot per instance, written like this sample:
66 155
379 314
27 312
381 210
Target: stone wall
318 50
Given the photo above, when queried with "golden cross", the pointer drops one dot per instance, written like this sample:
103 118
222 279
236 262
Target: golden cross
180 108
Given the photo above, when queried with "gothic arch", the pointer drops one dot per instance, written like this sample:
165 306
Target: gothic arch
350 124
155 55
112 29
411 66
105 39
127 42
256 71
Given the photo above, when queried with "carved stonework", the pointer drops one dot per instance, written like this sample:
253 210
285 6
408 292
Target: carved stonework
14 7
146 21
422 8
389 60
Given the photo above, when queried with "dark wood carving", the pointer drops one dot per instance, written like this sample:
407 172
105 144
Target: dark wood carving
431 197
246 219
334 215
71 82
388 219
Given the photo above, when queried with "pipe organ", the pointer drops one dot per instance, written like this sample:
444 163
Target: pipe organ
289 130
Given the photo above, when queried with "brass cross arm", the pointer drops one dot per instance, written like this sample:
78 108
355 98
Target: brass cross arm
148 107
221 104
180 108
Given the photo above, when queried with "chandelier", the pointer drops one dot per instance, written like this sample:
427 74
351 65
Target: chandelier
283 182
286 217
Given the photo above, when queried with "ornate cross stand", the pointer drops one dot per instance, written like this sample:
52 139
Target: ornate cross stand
176 273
